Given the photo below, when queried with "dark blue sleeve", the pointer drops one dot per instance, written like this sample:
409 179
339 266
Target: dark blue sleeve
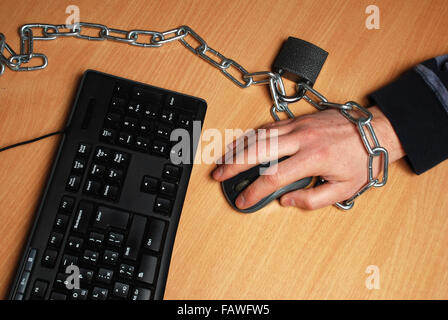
416 104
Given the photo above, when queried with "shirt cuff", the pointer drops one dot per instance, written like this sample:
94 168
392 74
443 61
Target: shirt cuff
417 116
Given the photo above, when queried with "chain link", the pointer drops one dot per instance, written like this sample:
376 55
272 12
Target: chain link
243 79
361 122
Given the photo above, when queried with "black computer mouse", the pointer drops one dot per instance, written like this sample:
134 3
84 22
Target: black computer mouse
234 186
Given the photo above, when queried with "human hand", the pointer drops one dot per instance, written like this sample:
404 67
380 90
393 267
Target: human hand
321 144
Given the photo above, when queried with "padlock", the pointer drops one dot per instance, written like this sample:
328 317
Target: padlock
299 60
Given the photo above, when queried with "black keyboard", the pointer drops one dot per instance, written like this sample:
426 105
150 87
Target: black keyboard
113 201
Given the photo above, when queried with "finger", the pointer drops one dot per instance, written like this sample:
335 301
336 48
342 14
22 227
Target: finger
254 135
254 145
255 153
273 129
277 123
261 133
318 197
276 177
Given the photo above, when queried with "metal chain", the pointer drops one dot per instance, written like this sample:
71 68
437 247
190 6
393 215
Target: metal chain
154 39
362 122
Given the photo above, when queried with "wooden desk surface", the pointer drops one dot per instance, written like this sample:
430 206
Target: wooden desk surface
276 253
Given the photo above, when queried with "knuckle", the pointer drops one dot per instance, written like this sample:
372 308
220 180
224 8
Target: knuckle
312 134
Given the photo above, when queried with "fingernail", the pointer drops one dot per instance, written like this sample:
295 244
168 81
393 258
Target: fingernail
239 202
217 173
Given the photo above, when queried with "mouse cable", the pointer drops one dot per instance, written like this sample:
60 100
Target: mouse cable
31 141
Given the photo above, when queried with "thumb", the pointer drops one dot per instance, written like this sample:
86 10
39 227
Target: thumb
318 197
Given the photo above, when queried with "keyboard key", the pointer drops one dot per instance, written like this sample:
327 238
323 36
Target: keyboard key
105 275
61 280
126 271
114 175
168 116
92 187
79 294
108 135
57 296
97 170
23 282
168 189
149 184
78 165
118 103
85 275
75 243
145 127
163 131
113 120
160 148
110 257
120 91
138 93
55 239
99 293
185 121
82 217
151 111
134 108
141 294
162 205
147 270
171 172
121 290
102 154
73 183
130 124
67 204
18 297
39 289
68 260
142 143
120 158
135 238
90 257
30 259
110 192
96 239
172 101
83 150
115 239
153 239
61 222
106 218
176 153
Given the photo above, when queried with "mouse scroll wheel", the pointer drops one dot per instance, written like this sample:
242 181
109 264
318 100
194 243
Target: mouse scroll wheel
241 185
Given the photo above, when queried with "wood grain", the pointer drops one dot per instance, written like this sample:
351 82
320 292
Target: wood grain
277 253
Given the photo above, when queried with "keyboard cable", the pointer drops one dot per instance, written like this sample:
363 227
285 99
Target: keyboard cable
31 140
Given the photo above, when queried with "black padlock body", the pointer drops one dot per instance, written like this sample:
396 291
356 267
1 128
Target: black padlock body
299 60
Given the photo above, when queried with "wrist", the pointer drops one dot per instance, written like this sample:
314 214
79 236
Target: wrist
386 135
